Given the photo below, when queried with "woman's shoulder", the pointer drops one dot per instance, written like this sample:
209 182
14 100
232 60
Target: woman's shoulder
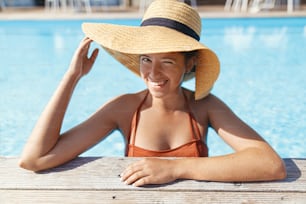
122 108
207 103
127 101
209 99
133 97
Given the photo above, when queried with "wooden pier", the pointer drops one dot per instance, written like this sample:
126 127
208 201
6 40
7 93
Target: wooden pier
96 180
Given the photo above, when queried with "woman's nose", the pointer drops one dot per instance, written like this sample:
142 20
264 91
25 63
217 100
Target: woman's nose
155 70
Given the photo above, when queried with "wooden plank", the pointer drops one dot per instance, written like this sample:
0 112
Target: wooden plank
134 197
96 180
94 173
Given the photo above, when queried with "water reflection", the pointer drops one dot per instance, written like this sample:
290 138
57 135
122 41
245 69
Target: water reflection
241 39
277 38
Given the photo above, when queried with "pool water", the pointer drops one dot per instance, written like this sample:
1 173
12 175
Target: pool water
262 79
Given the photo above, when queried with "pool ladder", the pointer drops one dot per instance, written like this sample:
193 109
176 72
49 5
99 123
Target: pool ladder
143 4
257 5
54 5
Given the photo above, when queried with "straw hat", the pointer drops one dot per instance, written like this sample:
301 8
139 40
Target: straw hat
167 26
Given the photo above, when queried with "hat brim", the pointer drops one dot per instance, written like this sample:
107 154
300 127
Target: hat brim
126 43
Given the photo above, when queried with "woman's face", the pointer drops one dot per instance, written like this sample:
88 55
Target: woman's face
163 72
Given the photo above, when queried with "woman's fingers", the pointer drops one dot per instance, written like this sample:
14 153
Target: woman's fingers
94 55
84 46
86 40
148 171
132 173
135 177
89 62
142 181
81 64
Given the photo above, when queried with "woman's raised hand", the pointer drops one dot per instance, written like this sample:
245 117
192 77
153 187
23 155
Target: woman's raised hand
81 64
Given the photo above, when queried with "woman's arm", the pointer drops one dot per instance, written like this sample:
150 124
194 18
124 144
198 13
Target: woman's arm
46 148
253 160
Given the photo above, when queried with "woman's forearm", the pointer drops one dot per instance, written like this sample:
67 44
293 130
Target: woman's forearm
251 164
47 129
46 133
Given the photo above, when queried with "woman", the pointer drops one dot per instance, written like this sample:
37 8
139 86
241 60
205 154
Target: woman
165 120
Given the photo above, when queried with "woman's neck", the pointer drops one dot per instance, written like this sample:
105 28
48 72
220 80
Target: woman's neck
169 103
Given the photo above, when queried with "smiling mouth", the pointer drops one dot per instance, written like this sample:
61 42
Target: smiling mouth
157 83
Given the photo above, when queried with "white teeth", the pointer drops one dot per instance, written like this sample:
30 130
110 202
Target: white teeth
159 83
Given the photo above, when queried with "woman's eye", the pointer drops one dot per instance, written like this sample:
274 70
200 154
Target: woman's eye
145 59
169 62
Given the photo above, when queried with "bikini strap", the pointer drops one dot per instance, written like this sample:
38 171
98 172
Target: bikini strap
134 122
195 127
193 123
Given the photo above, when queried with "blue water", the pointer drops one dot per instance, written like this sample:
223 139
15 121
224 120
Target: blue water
263 62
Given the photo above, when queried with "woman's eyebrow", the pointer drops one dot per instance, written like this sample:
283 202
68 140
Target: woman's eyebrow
144 56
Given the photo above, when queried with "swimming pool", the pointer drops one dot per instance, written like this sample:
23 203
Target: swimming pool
262 79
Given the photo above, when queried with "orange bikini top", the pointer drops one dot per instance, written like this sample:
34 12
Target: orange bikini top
195 148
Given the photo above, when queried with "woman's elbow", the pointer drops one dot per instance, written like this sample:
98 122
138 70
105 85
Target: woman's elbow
281 171
272 165
277 170
29 164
